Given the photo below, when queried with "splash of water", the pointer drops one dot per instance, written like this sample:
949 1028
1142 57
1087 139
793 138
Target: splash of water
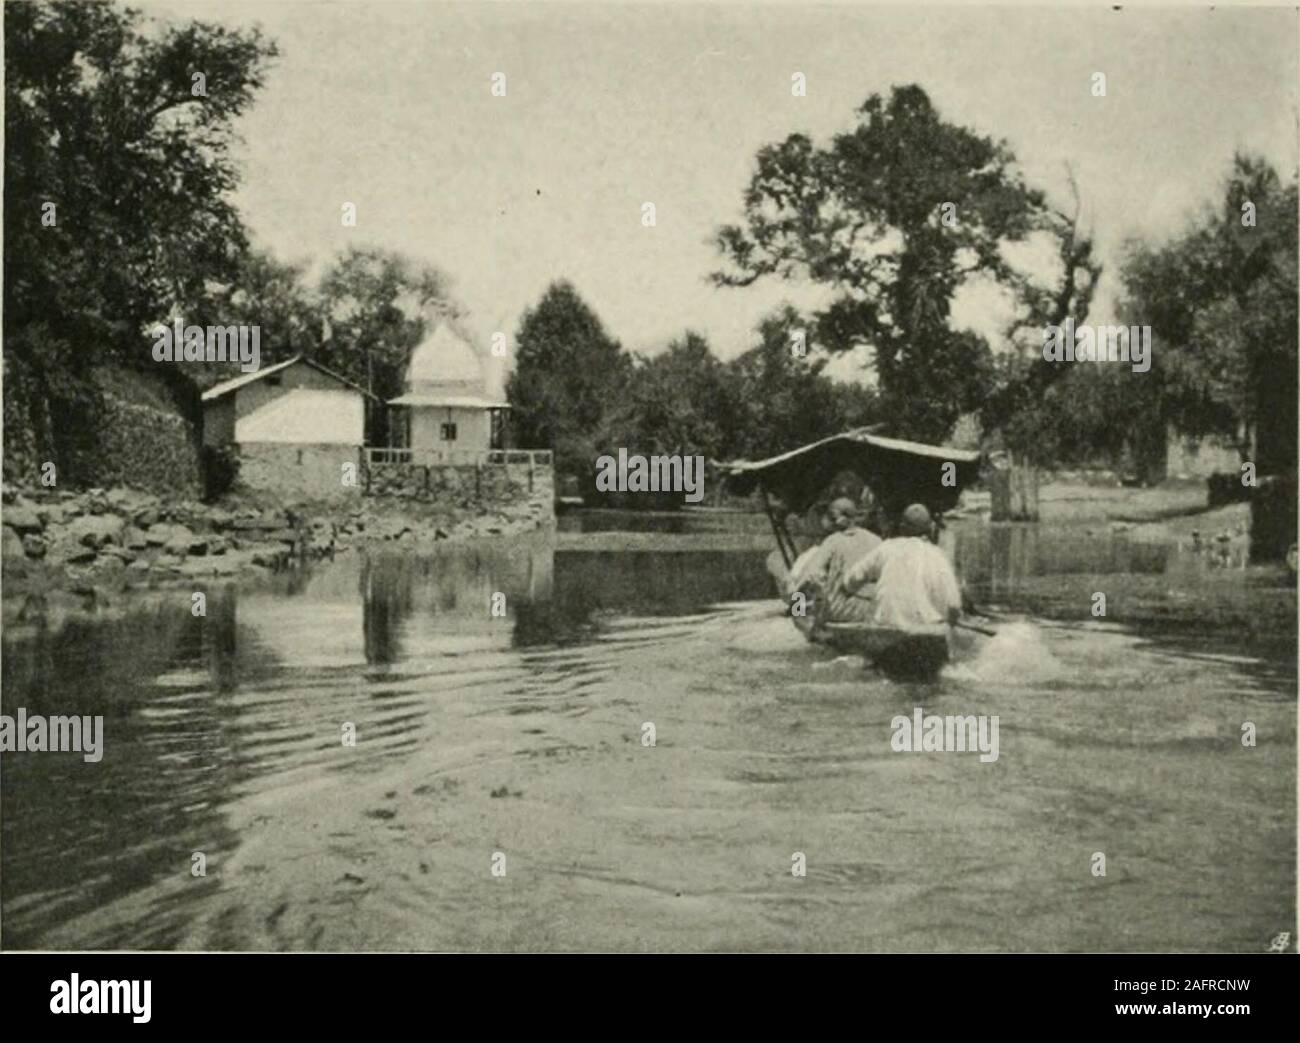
1017 654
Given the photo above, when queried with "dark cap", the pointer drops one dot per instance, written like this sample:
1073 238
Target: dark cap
916 521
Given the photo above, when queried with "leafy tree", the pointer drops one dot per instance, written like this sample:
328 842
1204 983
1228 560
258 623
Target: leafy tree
101 121
897 215
569 374
267 293
1221 303
104 120
785 399
1025 409
377 305
1071 418
679 401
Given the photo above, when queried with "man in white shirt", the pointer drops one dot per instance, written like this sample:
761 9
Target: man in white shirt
916 587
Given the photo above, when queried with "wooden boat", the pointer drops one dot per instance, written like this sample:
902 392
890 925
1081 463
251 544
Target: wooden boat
898 473
905 654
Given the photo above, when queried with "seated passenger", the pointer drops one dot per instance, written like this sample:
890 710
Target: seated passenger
823 573
916 588
799 570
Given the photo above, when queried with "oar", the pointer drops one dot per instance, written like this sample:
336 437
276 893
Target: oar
972 609
979 630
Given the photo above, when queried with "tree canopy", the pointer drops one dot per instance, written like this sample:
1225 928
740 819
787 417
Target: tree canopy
1221 302
569 375
376 307
895 216
103 121
575 390
118 174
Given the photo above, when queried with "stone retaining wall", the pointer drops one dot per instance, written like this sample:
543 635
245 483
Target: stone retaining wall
145 448
124 431
485 489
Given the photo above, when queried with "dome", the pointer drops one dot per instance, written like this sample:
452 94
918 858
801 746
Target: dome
444 359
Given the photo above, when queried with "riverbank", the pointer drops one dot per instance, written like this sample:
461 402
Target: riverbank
71 555
88 549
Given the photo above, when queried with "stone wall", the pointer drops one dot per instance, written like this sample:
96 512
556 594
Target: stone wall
300 472
145 448
485 489
129 433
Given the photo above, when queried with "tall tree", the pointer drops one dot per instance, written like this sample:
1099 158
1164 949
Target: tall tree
118 177
1221 303
379 305
267 293
1023 406
895 216
569 374
102 120
678 402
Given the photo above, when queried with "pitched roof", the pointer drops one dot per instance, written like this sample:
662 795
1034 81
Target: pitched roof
445 356
859 436
235 383
448 401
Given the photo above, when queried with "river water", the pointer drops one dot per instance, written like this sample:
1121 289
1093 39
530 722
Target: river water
515 741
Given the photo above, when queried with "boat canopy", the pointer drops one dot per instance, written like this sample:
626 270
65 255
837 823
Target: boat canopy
898 472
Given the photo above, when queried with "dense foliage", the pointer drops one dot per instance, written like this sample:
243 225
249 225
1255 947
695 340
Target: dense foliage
1220 298
116 196
576 391
895 216
1221 302
569 376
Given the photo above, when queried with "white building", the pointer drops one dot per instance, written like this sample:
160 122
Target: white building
297 402
446 408
291 425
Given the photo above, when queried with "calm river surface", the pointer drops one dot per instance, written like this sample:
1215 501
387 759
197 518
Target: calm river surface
522 735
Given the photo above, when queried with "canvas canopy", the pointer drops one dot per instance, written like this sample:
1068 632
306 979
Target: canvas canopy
899 472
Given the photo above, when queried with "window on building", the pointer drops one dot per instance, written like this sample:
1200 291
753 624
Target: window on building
449 432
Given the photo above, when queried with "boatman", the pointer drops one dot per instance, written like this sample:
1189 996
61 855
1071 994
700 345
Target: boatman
823 575
916 587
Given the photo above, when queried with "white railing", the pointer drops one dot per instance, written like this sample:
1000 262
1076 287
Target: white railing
459 457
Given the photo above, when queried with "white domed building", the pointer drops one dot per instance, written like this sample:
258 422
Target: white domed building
446 407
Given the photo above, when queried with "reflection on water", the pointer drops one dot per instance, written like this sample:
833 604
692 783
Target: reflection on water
1003 555
521 733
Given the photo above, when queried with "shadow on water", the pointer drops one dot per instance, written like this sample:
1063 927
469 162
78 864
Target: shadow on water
477 673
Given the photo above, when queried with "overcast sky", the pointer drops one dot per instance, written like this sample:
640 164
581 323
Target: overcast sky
388 105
